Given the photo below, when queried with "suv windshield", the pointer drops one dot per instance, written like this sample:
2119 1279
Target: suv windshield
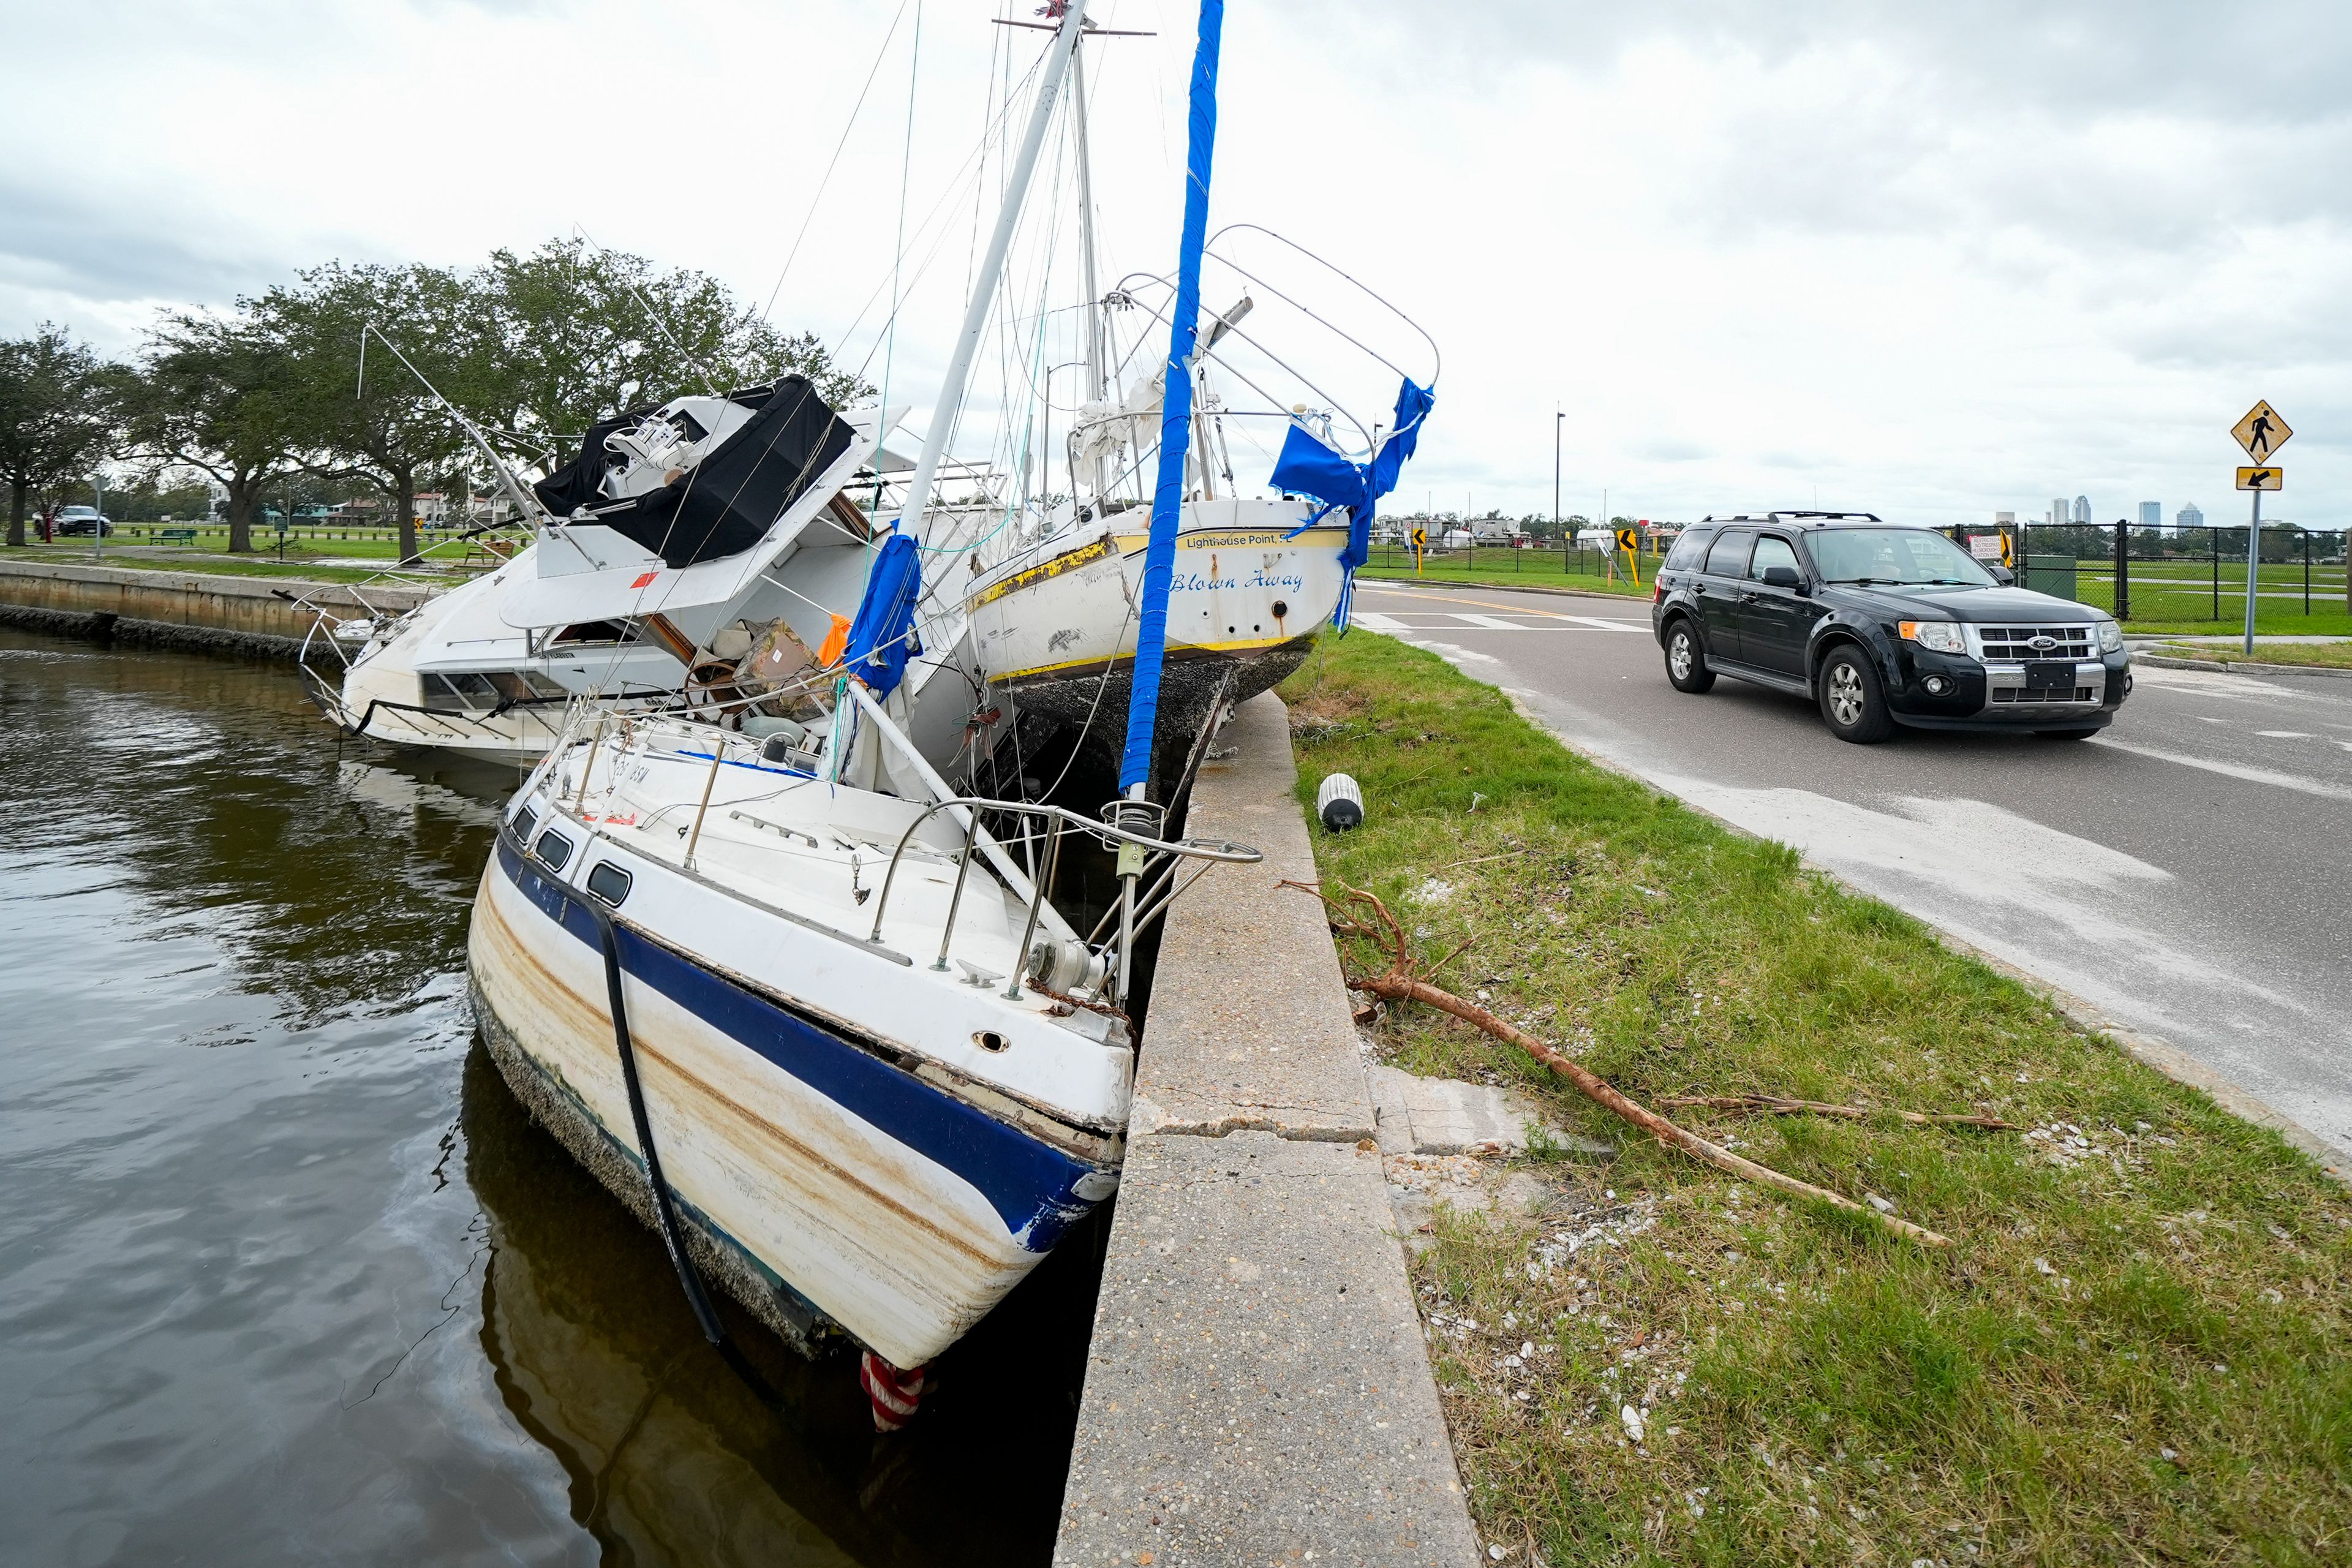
1904 557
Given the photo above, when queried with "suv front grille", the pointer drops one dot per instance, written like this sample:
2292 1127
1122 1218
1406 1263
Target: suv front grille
2019 694
2015 645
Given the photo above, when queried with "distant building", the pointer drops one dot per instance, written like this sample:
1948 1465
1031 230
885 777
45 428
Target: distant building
2188 517
2151 515
2057 510
2081 510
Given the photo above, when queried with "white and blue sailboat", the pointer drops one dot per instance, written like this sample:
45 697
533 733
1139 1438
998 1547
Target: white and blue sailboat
810 1012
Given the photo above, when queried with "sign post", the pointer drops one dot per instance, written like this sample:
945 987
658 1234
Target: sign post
2261 432
1629 539
1419 541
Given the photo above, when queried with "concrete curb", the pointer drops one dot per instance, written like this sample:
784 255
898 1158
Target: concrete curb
2166 661
206 612
2150 1050
1510 588
1257 1388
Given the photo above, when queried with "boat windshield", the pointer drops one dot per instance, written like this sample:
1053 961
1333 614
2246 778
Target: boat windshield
1894 557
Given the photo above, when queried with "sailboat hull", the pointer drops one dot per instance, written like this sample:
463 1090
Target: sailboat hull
825 1186
1056 625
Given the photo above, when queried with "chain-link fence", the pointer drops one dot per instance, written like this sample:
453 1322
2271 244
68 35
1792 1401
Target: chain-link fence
2180 575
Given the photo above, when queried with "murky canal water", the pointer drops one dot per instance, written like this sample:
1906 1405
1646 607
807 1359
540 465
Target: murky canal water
285 1274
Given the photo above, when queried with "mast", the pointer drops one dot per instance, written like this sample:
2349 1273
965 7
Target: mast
1176 414
1096 375
992 268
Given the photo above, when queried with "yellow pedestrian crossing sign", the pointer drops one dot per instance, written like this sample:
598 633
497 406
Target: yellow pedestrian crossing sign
2261 432
2261 478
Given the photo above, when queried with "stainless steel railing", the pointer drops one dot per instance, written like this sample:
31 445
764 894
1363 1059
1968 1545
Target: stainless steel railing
1057 821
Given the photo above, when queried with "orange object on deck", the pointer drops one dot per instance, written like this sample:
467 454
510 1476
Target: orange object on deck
836 642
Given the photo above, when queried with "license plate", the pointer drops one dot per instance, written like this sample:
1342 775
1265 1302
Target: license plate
2042 677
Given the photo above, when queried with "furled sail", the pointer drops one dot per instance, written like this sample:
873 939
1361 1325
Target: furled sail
1176 411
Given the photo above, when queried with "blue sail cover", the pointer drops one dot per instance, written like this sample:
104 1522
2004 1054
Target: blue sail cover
1310 466
883 635
1176 415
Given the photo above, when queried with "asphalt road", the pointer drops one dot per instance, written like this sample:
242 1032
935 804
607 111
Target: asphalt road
2187 870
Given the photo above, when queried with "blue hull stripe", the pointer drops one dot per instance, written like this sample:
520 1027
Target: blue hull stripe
1030 1184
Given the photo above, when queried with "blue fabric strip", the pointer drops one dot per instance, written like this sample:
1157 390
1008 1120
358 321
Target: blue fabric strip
1176 409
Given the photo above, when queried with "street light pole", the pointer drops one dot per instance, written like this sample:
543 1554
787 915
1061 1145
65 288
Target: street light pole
1558 419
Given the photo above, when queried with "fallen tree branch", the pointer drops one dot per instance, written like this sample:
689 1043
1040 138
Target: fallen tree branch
1402 984
1776 1105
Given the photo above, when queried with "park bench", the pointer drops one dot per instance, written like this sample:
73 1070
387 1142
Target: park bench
172 536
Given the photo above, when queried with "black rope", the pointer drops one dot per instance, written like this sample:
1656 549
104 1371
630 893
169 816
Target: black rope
665 1215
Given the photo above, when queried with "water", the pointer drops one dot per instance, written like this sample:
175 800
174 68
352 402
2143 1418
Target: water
285 1271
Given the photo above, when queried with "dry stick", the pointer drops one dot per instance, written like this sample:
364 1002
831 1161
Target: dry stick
1399 986
1778 1105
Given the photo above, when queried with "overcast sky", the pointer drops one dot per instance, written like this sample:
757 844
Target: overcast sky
1929 260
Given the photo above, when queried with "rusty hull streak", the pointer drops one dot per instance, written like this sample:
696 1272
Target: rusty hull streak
646 1052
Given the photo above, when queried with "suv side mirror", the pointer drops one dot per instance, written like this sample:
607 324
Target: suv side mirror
2001 575
1782 577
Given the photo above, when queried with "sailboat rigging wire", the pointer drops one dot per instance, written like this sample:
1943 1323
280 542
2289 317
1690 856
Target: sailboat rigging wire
1234 371
810 217
655 316
1436 358
975 165
906 169
515 492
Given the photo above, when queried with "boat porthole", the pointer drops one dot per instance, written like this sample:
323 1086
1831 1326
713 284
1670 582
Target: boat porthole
989 1040
1281 610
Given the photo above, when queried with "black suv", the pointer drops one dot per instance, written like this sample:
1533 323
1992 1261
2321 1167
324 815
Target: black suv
1881 624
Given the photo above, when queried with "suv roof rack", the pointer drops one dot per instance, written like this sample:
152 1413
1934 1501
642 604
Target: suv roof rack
1786 514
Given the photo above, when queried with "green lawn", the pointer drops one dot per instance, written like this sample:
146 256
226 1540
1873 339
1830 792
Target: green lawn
221 564
2137 1350
1504 569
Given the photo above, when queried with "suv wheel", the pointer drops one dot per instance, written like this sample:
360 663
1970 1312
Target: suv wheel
1686 661
1852 700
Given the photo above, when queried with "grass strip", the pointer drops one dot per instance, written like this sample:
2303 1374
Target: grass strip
2322 656
219 565
2135 1351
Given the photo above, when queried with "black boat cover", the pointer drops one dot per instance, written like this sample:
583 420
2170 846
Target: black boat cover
727 503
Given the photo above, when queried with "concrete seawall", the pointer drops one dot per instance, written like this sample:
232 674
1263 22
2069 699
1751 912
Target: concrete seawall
1257 1389
249 616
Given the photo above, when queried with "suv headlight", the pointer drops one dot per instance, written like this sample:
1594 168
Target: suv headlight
1943 636
2111 637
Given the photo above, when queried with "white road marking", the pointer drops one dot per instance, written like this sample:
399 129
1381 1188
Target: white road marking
2285 734
1372 622
2231 770
2001 880
1641 627
1454 654
2213 683
1492 623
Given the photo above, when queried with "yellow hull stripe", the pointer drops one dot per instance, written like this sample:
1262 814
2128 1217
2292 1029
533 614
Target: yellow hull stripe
1068 561
1135 544
1175 650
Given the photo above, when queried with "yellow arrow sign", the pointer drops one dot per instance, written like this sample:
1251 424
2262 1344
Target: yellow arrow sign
1628 541
1420 536
2261 478
2261 432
